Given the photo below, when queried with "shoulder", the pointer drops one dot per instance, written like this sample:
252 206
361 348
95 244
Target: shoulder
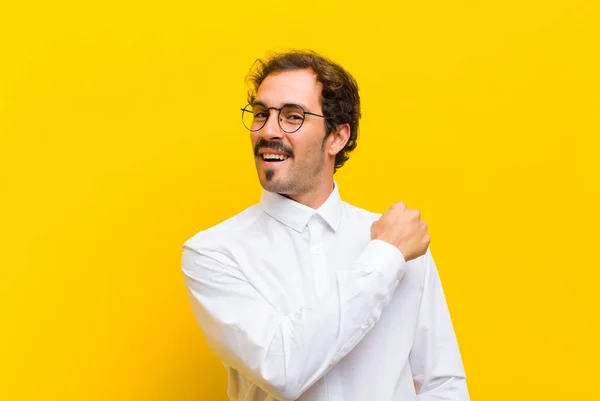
360 214
226 231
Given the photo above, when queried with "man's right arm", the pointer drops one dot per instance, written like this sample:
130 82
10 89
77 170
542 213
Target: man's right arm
285 354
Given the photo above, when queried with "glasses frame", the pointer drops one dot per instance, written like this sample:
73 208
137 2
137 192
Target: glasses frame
245 110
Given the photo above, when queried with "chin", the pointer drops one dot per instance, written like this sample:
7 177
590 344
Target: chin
276 184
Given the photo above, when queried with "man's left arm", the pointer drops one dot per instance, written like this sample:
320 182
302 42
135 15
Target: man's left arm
435 359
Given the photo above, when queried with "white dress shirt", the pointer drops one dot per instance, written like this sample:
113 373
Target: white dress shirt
301 304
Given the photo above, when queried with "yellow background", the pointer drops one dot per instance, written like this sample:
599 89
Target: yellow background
121 137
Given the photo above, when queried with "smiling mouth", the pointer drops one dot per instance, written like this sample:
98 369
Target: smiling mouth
270 157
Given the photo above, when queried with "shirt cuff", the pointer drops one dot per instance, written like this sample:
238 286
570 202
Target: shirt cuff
383 257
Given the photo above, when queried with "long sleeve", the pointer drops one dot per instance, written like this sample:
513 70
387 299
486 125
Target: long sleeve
286 354
435 359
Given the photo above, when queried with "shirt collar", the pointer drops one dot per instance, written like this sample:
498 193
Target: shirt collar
296 215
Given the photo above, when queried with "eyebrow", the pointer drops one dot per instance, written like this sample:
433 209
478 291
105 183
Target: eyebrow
261 103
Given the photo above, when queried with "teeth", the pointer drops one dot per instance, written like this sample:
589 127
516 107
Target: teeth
269 156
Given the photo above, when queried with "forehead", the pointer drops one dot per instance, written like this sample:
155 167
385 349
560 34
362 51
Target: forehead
296 86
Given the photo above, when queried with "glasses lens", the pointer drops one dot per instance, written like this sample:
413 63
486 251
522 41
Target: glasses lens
291 118
254 117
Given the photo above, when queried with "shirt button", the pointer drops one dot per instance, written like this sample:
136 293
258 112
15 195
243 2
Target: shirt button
318 250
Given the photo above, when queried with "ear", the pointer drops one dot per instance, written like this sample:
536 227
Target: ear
338 139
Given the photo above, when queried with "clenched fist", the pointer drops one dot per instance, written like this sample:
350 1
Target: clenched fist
403 228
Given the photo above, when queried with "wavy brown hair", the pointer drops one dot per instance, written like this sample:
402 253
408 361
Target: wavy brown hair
339 97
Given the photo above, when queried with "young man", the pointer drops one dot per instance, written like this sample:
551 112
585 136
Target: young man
304 296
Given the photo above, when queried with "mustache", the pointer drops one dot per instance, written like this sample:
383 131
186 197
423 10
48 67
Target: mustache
275 145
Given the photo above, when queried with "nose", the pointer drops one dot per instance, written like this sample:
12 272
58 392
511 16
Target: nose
271 129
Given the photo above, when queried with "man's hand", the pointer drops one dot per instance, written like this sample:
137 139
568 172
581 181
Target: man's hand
403 228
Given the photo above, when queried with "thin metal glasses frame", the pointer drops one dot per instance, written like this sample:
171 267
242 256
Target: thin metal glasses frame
249 110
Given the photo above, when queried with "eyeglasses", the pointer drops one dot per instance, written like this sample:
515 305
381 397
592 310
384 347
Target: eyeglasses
290 117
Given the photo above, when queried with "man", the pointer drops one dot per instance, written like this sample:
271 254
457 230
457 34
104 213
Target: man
304 296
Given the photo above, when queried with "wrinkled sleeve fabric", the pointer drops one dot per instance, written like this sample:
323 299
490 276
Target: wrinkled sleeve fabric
285 354
435 358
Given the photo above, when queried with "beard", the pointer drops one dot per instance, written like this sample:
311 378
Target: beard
298 177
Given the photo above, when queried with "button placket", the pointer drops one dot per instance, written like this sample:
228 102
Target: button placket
317 254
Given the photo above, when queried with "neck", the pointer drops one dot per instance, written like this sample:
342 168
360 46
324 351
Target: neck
315 198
